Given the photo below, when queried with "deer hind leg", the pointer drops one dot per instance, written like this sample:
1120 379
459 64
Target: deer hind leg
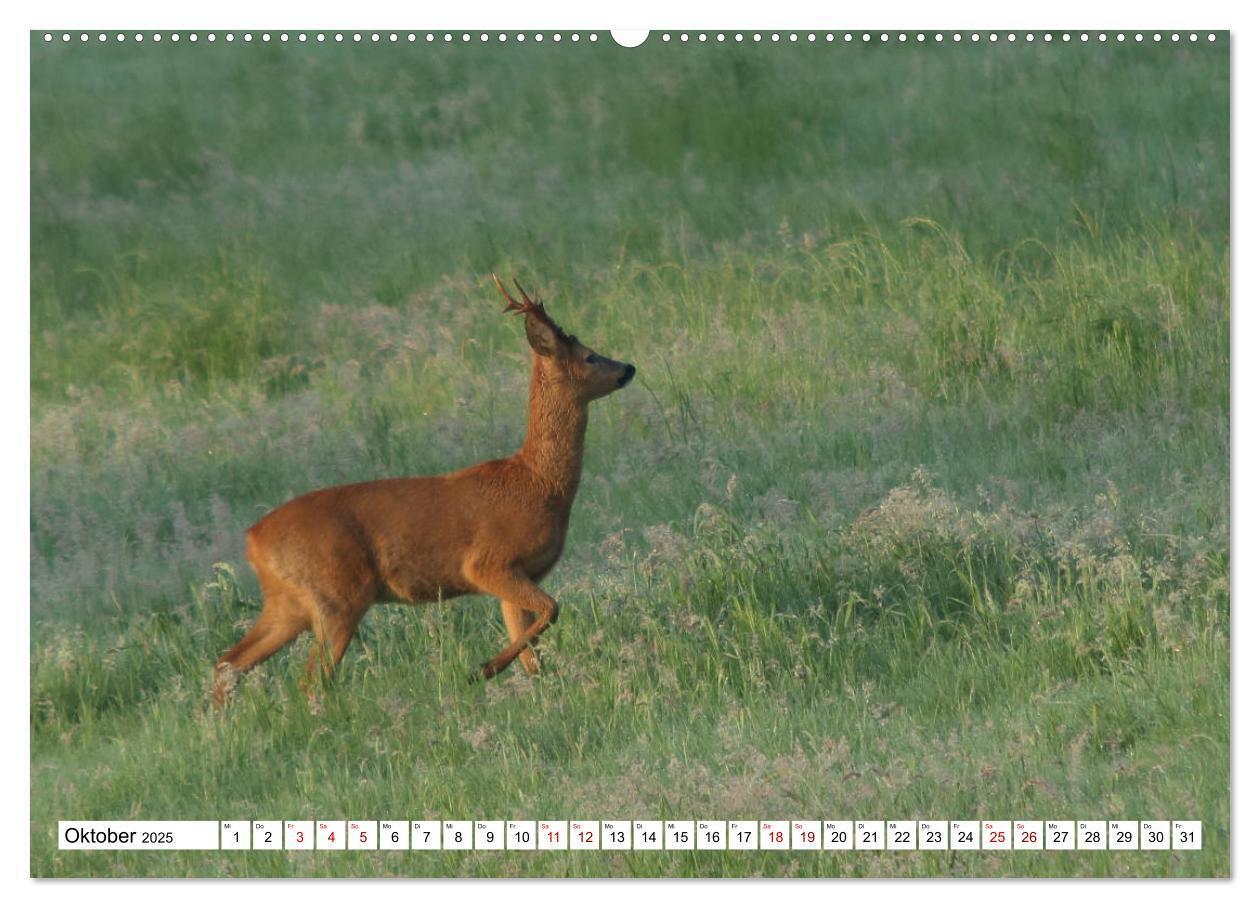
333 623
517 626
279 622
333 634
518 591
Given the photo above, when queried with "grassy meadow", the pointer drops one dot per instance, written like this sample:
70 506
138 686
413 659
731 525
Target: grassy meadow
917 508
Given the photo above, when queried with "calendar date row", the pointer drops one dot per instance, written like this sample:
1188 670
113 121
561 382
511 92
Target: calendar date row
635 835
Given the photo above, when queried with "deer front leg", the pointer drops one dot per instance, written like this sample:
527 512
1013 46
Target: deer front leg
520 594
517 626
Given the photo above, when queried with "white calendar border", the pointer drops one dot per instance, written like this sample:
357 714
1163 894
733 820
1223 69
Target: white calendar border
14 362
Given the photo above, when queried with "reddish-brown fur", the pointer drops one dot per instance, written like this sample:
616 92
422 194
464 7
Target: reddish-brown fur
324 558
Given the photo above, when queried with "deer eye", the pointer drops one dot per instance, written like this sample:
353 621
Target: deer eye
591 359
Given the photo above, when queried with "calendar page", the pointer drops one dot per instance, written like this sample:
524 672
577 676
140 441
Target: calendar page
724 453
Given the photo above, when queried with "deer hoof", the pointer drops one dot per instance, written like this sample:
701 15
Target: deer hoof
225 677
531 663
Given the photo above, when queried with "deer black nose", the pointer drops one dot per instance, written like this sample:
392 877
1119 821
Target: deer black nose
625 377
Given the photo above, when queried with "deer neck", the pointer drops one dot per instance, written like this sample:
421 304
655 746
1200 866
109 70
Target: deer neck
554 437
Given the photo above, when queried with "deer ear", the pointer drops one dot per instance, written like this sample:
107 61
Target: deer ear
541 337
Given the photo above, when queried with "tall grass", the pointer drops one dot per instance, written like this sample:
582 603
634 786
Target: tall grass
918 507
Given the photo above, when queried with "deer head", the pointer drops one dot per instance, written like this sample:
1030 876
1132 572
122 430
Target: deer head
564 359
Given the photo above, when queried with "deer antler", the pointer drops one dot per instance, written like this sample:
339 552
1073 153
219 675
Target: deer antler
527 306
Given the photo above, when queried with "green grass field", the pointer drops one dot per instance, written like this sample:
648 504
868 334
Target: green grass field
919 506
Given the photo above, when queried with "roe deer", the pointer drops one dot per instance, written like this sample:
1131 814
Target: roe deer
496 528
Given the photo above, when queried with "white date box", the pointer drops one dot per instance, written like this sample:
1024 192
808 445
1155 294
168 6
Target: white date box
488 835
299 835
392 835
583 835
522 835
933 835
330 835
1028 835
616 835
964 835
741 835
837 835
680 835
711 835
234 835
806 835
649 835
1156 835
1060 835
775 835
1122 835
361 835
868 835
1091 835
1187 835
457 835
995 835
426 835
553 835
268 835
901 835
